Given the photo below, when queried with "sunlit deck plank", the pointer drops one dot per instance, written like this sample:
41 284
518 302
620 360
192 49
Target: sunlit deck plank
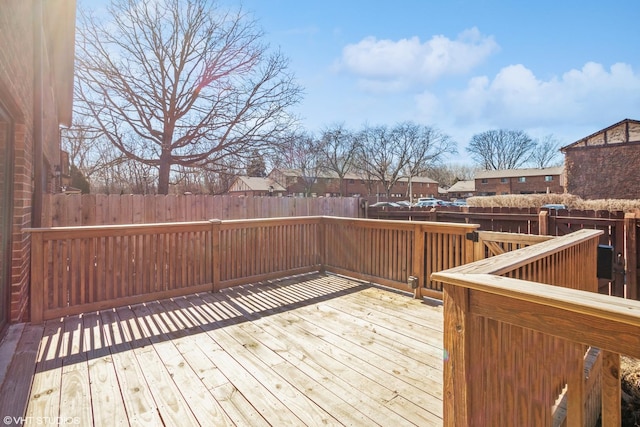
171 404
136 396
75 393
44 400
307 350
106 399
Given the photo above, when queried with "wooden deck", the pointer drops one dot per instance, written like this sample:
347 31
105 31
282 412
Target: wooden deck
309 350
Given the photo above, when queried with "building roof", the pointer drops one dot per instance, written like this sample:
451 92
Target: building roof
349 175
583 141
513 173
419 179
463 187
253 183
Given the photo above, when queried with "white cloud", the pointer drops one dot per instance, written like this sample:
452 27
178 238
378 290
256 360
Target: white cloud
405 62
517 98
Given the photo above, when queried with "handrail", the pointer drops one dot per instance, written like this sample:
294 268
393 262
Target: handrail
511 260
605 308
516 342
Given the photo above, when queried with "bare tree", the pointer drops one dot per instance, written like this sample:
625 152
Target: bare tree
406 150
546 152
202 181
300 151
339 148
426 147
449 174
382 156
181 83
501 149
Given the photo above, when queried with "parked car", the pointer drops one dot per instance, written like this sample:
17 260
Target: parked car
404 203
385 204
429 203
554 206
426 199
460 203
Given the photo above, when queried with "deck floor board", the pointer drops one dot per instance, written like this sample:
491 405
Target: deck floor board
307 350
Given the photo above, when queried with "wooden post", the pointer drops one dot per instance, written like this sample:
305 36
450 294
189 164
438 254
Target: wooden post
478 248
543 223
631 248
417 262
215 254
576 390
322 236
457 354
37 278
610 389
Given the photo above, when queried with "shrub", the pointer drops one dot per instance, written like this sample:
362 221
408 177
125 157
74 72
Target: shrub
569 200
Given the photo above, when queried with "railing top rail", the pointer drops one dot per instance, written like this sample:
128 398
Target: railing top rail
127 228
440 226
509 261
272 220
503 236
600 306
443 227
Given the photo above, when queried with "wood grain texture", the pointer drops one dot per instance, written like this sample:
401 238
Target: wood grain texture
310 350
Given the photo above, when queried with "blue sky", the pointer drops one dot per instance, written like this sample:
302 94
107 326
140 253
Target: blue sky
567 68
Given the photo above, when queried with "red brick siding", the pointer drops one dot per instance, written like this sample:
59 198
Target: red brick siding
17 95
532 184
604 172
351 187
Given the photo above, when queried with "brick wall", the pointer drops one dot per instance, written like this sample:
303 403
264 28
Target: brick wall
605 171
512 185
17 96
351 187
16 92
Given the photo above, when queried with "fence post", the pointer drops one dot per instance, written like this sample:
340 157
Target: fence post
457 348
322 236
37 278
543 223
215 254
417 263
631 251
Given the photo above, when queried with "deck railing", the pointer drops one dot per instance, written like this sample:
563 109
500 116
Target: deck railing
389 252
516 344
82 269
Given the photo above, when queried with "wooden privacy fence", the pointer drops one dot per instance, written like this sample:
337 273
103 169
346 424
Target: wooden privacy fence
517 329
70 210
81 269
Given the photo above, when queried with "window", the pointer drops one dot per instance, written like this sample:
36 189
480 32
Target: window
548 178
504 180
484 181
522 179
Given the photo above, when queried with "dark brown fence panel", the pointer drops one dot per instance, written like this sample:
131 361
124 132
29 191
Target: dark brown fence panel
563 222
558 223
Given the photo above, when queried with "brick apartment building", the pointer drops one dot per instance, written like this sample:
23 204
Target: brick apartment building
604 165
328 184
520 181
36 91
